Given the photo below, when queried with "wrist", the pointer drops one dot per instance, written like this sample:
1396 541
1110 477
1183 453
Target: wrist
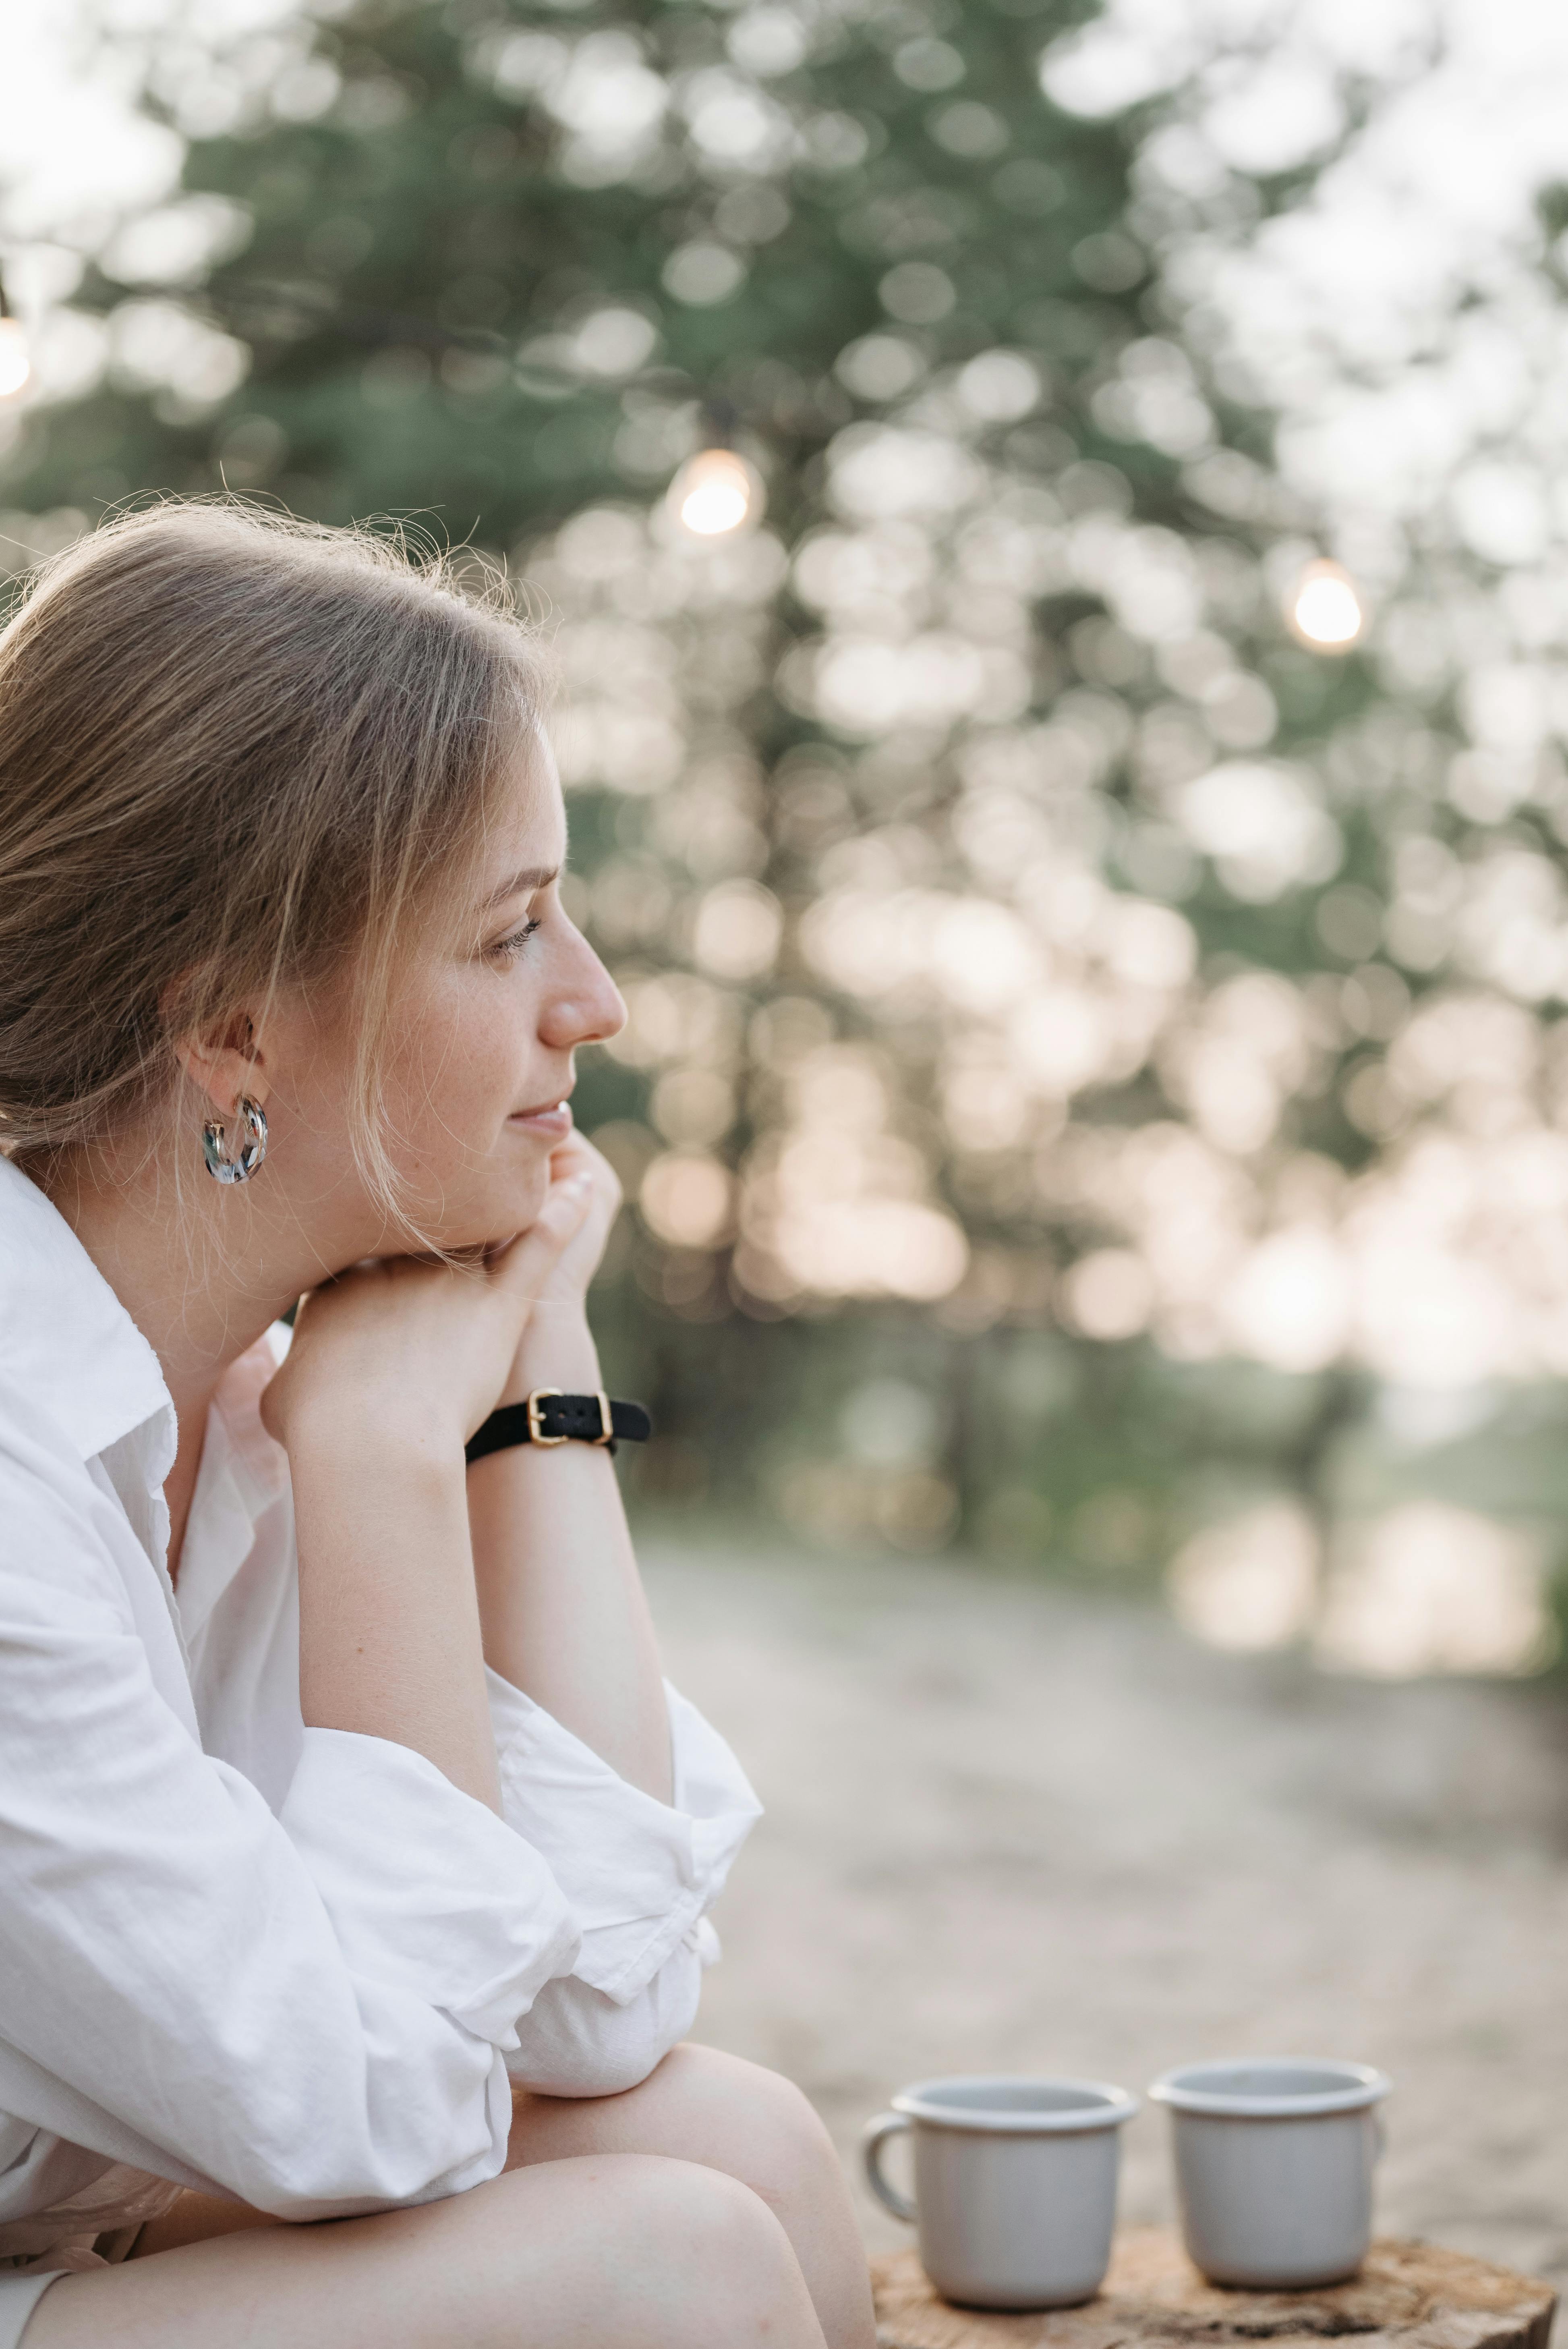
557 1313
557 1351
390 1443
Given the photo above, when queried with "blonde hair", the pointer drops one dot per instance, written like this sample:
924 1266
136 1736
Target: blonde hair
237 753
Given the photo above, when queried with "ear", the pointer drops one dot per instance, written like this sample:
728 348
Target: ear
226 1063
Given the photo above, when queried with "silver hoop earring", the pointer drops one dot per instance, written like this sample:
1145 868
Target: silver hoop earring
215 1153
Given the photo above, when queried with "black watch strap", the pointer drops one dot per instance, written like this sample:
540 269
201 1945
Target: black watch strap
551 1417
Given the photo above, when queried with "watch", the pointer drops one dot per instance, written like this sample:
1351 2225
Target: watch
550 1417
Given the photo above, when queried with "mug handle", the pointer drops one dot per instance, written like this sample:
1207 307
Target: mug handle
877 2134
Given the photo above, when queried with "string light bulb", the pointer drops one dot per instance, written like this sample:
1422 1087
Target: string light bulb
14 364
1325 609
715 492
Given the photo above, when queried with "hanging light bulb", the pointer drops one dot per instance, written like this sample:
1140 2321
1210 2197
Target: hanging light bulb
1325 608
715 492
14 365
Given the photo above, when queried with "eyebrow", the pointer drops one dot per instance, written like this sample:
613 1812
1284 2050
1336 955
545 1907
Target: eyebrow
535 876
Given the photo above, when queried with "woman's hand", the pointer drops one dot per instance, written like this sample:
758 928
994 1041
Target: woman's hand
578 1160
556 1348
418 1351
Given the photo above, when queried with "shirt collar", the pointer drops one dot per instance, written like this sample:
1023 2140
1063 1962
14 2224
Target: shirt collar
64 1337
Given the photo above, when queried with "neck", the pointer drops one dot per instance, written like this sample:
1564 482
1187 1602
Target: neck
201 1269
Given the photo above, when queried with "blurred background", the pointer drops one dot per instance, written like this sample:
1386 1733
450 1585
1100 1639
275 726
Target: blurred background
1049 525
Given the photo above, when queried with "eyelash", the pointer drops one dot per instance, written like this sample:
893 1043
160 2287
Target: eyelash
508 949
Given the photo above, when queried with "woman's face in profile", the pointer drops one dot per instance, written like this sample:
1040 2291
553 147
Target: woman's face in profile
480 1064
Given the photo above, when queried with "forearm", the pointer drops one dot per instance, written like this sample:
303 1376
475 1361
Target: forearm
560 1601
389 1629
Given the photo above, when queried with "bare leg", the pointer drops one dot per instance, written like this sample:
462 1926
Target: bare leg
697 2105
733 2117
613 2252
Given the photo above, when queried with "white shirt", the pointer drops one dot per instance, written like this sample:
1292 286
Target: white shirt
295 1966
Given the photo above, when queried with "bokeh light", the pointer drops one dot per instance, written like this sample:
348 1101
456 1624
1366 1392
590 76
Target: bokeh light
716 492
1325 609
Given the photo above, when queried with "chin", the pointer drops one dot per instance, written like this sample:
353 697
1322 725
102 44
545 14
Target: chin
481 1206
510 1208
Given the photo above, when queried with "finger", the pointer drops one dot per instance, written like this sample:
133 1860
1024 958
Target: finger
579 1156
535 1252
572 1157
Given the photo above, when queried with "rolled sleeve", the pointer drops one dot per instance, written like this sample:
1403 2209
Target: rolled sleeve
575 2041
488 1925
309 2011
638 1874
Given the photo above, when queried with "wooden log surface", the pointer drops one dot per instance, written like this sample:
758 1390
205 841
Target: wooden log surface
1408 2295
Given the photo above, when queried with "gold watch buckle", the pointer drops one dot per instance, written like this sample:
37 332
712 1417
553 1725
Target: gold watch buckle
536 1434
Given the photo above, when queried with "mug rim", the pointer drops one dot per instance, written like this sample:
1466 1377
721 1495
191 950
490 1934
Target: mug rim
1112 2107
1183 2089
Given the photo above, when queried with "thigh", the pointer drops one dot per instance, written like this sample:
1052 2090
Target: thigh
611 2252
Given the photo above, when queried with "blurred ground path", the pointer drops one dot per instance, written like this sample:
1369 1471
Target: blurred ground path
1011 1829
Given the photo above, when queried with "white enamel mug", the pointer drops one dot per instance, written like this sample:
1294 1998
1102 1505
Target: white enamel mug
1273 2168
1014 2185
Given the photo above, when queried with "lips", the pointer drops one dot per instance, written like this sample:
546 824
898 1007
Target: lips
552 1120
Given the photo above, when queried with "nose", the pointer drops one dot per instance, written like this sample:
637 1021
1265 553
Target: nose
585 1006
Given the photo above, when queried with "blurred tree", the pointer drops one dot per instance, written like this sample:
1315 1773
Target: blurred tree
1020 927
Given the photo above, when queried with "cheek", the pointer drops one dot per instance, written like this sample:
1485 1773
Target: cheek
453 1077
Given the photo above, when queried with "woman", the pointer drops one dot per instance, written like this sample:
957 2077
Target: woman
353 1857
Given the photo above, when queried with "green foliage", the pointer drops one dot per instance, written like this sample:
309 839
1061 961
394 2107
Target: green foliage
436 213
502 268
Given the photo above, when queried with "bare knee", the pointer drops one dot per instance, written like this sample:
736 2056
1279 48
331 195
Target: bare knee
705 2263
675 2204
758 2128
760 2115
697 2105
